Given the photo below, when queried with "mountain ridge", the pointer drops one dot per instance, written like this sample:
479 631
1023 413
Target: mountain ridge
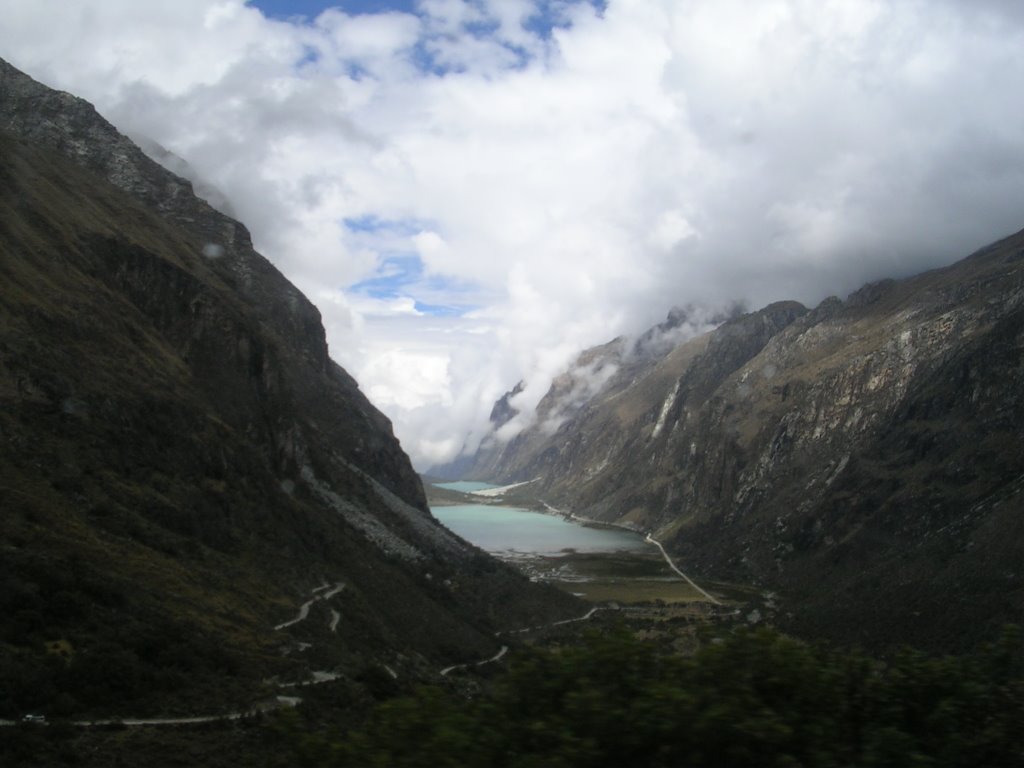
839 456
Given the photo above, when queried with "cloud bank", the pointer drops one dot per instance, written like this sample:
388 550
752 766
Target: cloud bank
475 191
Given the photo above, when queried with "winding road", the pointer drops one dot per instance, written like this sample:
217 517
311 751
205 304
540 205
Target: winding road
504 649
326 592
648 538
651 540
304 608
588 615
496 657
280 702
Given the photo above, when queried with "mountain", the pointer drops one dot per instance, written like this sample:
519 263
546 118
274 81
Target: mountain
862 459
183 467
604 370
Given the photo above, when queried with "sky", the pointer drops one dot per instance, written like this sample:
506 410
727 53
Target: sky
473 191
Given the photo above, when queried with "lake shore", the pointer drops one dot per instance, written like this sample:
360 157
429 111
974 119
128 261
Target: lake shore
628 571
628 576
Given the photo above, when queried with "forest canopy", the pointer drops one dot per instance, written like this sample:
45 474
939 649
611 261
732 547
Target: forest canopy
755 698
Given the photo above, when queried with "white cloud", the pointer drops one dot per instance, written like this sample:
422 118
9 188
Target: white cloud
570 186
670 229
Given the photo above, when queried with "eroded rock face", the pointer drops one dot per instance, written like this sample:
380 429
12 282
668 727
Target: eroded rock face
179 301
865 457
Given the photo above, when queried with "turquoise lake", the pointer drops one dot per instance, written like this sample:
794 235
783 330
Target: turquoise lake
510 530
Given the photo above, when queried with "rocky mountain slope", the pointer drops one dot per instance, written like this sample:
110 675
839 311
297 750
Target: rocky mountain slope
864 458
596 374
182 466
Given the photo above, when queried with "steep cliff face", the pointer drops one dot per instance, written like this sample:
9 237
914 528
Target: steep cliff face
175 298
864 457
181 463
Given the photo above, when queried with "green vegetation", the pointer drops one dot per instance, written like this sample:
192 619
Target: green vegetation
755 698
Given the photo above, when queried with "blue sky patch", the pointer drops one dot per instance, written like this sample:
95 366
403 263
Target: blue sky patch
371 223
441 310
403 276
548 16
394 273
289 9
400 271
310 56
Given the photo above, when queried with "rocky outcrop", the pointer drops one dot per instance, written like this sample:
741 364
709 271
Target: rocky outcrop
177 449
863 458
503 411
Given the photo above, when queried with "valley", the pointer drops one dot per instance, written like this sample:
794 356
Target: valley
215 551
598 562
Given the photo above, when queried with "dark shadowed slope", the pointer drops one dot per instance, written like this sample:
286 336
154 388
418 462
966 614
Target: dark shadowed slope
181 463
